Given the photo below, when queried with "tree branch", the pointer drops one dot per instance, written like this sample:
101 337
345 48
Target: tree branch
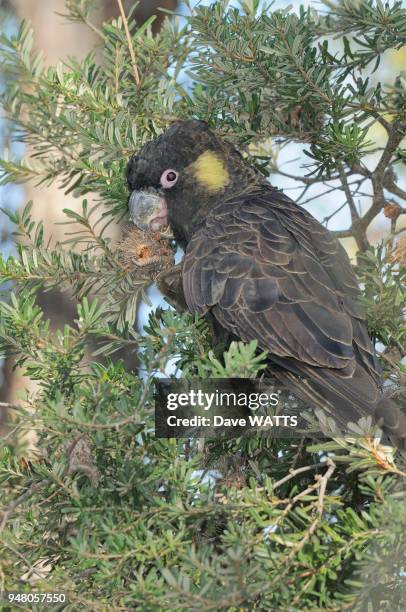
381 178
310 180
343 233
293 472
350 199
389 182
377 176
8 406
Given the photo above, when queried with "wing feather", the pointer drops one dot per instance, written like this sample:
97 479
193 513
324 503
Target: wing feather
269 271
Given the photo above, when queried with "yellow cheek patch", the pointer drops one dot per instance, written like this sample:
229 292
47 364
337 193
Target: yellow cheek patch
210 171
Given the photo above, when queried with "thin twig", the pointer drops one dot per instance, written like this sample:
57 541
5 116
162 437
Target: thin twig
86 22
304 191
322 480
358 231
317 196
350 199
308 180
333 214
343 233
320 484
8 406
389 182
130 43
293 472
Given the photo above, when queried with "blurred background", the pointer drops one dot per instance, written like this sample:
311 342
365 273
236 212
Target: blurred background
60 39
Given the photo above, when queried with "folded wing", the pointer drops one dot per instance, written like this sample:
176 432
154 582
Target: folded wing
267 270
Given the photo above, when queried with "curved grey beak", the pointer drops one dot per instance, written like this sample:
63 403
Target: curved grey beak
148 210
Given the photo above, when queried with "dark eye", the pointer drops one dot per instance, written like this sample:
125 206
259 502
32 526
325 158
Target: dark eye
169 178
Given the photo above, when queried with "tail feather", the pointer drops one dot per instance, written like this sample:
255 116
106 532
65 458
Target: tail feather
393 421
348 398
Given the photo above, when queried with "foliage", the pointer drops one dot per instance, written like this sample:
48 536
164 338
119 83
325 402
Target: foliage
102 509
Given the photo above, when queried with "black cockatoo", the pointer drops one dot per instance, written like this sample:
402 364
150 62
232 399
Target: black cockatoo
262 267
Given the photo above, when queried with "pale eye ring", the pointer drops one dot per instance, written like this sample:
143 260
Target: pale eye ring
169 178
